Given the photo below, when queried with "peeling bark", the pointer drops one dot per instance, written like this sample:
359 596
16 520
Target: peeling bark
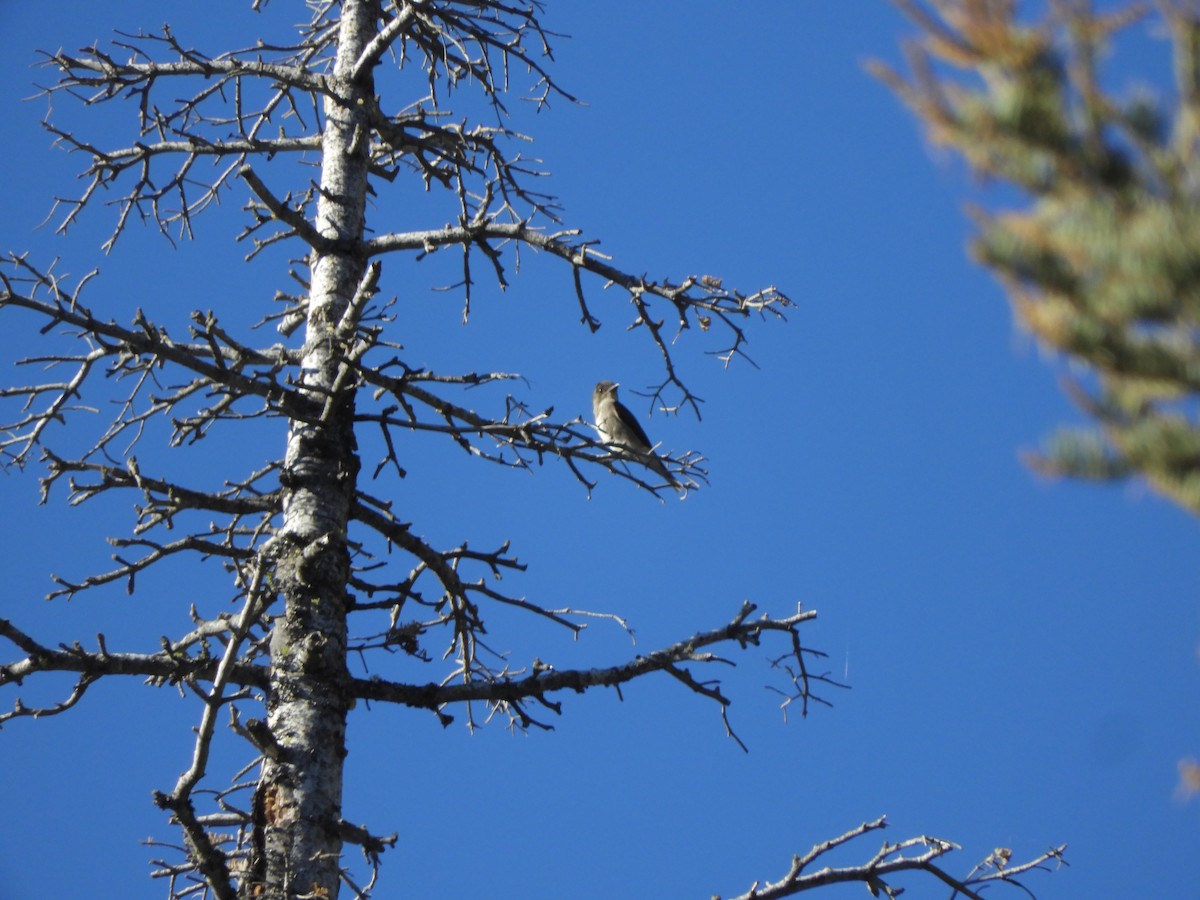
300 792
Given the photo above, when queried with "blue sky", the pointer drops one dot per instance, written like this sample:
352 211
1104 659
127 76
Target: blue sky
1022 653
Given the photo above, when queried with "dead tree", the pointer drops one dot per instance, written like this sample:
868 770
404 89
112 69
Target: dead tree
304 128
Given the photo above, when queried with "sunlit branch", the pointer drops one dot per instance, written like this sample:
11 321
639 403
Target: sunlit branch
164 667
741 630
879 872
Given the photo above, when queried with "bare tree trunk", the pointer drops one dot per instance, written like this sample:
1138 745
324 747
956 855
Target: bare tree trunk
299 797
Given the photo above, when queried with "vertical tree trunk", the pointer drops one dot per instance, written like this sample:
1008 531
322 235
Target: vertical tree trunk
298 805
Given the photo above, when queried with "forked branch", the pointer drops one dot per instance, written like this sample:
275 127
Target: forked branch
879 872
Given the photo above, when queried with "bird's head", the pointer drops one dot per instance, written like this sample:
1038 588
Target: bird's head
604 389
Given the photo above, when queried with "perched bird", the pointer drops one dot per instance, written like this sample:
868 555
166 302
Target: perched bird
618 427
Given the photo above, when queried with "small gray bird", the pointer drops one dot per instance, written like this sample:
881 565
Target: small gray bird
618 427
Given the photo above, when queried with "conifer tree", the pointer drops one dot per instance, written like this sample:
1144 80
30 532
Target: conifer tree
1101 259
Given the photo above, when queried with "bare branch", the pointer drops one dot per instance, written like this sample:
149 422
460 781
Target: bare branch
697 300
232 372
163 667
878 873
741 631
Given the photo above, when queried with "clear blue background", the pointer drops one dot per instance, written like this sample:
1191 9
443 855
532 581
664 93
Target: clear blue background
1022 653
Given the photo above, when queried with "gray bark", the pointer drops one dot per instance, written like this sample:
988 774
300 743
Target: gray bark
299 798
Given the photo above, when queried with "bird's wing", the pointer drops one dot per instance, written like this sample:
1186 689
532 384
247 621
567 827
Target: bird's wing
629 421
